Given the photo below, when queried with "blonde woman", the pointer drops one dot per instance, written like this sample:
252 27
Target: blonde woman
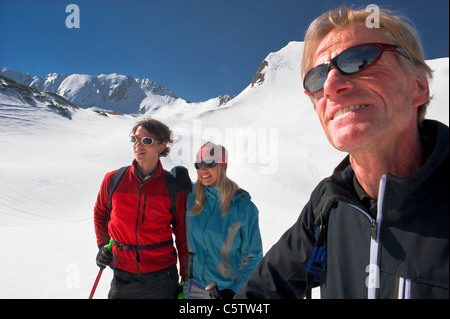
222 228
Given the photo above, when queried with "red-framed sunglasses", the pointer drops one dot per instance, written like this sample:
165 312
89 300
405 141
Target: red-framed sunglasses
351 61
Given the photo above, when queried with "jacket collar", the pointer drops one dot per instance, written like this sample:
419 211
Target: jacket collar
435 138
212 190
215 192
156 173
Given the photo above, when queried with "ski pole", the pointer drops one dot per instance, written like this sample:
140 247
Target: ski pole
213 290
99 275
189 273
96 283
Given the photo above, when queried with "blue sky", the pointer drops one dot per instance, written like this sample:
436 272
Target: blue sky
199 49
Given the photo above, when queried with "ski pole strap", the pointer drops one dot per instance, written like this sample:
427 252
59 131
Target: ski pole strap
190 265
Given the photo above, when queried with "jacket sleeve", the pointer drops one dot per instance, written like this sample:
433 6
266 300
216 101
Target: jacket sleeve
101 211
180 232
252 251
282 271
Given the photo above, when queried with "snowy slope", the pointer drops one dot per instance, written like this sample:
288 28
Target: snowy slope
51 168
113 92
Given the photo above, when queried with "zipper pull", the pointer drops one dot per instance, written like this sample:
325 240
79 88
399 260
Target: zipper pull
374 229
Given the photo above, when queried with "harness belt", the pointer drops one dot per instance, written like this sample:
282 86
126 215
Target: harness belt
141 247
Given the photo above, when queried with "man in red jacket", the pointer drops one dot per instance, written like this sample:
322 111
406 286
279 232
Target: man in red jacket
140 222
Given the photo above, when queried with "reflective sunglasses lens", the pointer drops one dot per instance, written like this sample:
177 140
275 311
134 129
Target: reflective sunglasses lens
147 141
133 138
207 165
350 61
357 59
315 78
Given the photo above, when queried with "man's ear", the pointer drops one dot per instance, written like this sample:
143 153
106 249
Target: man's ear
421 91
162 147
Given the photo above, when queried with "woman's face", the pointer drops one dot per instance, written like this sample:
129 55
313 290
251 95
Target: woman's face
208 176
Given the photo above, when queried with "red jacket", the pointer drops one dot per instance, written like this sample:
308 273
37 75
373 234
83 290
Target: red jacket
140 216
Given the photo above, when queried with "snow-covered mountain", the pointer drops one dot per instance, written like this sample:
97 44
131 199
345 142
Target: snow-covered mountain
112 92
20 95
51 166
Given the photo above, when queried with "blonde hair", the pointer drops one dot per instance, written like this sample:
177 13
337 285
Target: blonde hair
227 189
400 32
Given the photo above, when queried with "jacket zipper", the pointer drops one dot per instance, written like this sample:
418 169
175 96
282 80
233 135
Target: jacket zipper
138 259
373 280
143 209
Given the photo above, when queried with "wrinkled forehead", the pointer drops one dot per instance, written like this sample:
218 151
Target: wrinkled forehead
339 40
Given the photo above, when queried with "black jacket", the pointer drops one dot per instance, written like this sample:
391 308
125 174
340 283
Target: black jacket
396 248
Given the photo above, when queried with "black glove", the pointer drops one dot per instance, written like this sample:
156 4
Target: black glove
180 288
104 256
182 180
226 294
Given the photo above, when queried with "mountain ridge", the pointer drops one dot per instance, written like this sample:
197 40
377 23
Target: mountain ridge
113 92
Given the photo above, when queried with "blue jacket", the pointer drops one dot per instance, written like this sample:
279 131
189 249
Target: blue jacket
227 248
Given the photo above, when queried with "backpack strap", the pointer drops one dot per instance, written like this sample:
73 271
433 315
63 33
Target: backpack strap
317 262
171 185
172 195
112 187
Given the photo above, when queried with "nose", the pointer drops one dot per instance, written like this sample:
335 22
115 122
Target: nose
336 84
138 141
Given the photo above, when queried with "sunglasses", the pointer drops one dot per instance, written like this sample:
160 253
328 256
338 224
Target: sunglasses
207 165
147 141
350 61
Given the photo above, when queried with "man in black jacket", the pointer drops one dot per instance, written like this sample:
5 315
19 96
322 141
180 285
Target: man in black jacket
378 226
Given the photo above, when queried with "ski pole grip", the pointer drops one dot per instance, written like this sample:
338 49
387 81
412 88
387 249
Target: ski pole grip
213 290
190 265
110 244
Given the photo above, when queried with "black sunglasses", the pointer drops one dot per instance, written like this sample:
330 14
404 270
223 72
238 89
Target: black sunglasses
207 165
350 61
147 141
